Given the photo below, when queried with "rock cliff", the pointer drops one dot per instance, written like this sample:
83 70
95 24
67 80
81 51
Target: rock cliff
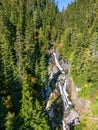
61 94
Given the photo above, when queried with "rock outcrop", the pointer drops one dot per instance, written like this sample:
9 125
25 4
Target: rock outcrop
62 92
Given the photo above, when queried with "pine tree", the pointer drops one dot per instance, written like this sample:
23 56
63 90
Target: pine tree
25 32
43 69
9 121
31 110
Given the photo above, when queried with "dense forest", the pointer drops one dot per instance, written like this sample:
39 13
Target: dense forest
80 47
27 27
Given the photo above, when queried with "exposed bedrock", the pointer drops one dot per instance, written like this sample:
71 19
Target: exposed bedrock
61 94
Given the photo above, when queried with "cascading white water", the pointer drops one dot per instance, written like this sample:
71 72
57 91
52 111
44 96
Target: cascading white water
64 95
51 76
62 88
63 92
64 128
65 99
58 65
57 77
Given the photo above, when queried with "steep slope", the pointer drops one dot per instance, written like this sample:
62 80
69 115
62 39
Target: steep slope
26 28
80 47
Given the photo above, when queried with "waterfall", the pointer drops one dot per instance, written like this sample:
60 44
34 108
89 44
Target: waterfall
58 65
57 73
64 95
64 128
62 88
63 92
65 100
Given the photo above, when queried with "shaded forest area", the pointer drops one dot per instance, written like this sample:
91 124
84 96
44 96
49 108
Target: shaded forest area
27 27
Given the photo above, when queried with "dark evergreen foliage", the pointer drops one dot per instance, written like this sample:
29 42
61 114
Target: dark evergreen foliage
26 29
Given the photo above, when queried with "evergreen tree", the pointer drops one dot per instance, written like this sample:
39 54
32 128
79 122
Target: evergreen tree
43 69
31 110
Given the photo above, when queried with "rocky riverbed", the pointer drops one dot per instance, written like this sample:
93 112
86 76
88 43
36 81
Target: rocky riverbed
61 94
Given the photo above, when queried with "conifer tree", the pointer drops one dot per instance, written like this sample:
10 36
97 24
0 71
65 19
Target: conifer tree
43 68
31 110
25 32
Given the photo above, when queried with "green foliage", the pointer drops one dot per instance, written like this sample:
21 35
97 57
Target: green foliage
3 112
31 110
94 107
26 29
78 127
39 121
9 121
85 92
80 49
43 69
80 44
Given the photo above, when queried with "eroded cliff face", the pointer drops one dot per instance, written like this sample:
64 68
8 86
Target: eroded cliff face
63 105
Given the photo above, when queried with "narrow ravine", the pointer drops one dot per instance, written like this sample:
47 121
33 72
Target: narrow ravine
57 87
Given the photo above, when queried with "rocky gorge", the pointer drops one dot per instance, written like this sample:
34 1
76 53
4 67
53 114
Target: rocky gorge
63 105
